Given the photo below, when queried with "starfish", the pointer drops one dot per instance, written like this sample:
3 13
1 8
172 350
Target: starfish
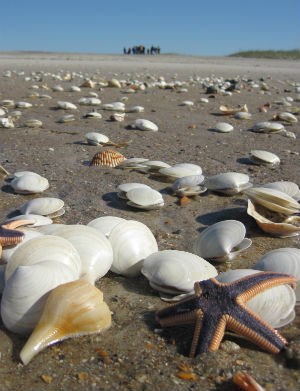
9 235
217 306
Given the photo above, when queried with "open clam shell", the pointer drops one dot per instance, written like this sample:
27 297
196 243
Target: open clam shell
275 305
72 309
45 206
123 188
222 241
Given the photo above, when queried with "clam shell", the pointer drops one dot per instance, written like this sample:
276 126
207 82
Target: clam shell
66 118
114 106
133 163
290 188
282 260
66 105
32 220
119 117
33 123
226 110
145 124
135 109
45 206
144 198
258 156
242 115
222 241
72 309
228 182
6 123
132 242
23 105
180 170
267 127
93 114
187 181
223 127
108 158
275 305
29 184
105 224
123 188
89 101
287 117
95 138
175 272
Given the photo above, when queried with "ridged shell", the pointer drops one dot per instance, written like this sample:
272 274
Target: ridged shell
145 124
72 309
44 206
144 198
105 224
175 272
132 242
222 241
108 158
275 305
29 184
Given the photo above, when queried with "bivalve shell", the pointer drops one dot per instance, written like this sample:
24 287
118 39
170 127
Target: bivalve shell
228 183
66 105
145 124
144 198
107 158
266 158
105 223
95 138
45 206
29 184
223 127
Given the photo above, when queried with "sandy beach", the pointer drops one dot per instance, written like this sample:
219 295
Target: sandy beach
135 353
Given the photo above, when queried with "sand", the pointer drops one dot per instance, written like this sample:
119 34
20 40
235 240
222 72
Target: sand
135 354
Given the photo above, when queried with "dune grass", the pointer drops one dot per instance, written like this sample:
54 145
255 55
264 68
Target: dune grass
272 54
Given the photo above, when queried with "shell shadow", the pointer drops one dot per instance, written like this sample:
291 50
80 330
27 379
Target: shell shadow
112 199
8 189
244 160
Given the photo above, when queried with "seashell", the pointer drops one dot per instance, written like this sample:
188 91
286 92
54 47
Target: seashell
105 224
29 184
66 105
187 103
15 115
223 127
180 170
283 228
75 89
32 220
8 103
135 109
33 123
242 115
132 242
286 117
226 110
203 100
144 198
25 292
267 127
290 188
145 124
18 174
266 158
175 272
45 206
133 163
44 248
58 88
6 123
275 305
273 199
89 101
94 138
282 260
123 188
88 84
114 106
72 309
93 247
108 158
3 111
114 83
93 114
189 185
66 118
23 105
119 117
222 241
228 183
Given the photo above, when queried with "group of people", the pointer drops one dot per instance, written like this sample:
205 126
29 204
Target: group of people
140 49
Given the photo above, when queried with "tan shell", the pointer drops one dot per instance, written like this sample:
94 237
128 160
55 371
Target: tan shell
108 158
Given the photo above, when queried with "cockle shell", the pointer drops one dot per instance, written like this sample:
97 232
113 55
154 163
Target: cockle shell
29 184
175 272
282 260
145 124
275 305
228 183
45 206
144 198
105 224
44 248
223 127
66 105
266 158
95 138
132 242
283 228
72 309
108 158
222 241
26 289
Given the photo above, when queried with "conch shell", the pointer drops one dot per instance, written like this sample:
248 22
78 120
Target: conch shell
72 309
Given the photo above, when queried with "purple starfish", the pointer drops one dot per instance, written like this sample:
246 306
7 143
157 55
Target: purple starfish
217 306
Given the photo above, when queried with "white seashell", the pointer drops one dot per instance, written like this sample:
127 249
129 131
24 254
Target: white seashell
66 118
267 127
57 88
95 138
222 241
66 105
228 183
123 188
155 165
119 117
264 157
23 105
33 123
26 290
6 123
114 83
203 100
223 127
132 242
282 260
89 101
7 103
29 184
75 89
187 182
290 188
44 248
134 162
145 124
135 109
93 247
45 206
175 272
180 170
93 114
114 106
187 103
32 220
275 305
242 115
287 117
72 309
105 224
144 198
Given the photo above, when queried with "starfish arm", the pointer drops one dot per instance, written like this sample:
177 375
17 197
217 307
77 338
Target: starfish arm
10 236
212 332
247 323
196 335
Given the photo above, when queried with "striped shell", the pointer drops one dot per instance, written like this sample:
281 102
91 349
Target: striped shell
108 158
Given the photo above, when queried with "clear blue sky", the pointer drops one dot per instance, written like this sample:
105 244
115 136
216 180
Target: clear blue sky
196 27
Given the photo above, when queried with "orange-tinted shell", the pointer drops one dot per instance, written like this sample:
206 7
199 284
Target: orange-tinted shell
108 158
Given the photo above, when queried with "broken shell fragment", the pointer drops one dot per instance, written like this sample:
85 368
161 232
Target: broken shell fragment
71 310
226 110
108 158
